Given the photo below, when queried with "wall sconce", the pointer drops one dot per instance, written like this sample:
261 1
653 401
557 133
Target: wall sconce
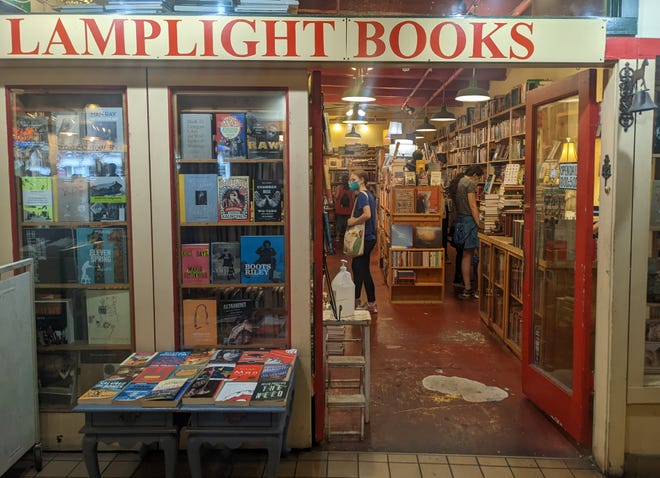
632 100
568 152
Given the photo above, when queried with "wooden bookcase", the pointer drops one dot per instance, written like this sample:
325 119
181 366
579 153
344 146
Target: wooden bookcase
411 252
70 169
231 143
500 287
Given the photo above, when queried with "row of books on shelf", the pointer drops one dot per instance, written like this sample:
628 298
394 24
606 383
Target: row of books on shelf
238 135
236 321
420 237
209 198
251 260
516 279
514 324
224 377
106 318
83 255
404 258
73 199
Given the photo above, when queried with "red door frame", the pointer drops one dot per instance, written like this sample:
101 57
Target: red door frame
572 410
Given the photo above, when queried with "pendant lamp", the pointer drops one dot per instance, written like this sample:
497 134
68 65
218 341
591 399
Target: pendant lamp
472 93
358 93
443 115
425 127
352 134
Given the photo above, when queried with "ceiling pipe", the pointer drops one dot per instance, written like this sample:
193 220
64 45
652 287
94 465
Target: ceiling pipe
453 76
520 9
419 83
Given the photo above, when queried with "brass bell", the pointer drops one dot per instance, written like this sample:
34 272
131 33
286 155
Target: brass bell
642 102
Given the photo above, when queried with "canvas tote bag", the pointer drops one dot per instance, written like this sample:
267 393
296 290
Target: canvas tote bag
354 237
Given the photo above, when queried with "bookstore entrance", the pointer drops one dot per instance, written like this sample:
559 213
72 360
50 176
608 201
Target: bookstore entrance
447 373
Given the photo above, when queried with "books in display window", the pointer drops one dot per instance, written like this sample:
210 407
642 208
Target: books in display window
72 199
234 198
108 317
235 324
37 194
195 263
198 198
105 124
231 135
267 200
54 321
225 262
200 319
102 255
54 252
262 259
107 198
265 136
196 136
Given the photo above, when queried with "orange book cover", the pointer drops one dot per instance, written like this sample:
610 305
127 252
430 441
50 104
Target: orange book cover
200 323
154 373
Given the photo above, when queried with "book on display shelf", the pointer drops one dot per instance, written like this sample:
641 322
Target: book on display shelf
107 198
281 356
103 392
72 199
207 383
170 358
154 373
108 316
225 262
233 198
231 135
262 259
265 136
235 327
198 198
106 125
233 393
102 255
428 237
196 136
166 393
404 200
275 372
138 359
246 372
270 393
187 372
402 235
37 194
54 252
268 197
226 357
133 393
199 357
200 323
195 263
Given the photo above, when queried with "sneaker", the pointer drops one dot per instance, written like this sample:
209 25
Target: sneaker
466 294
475 293
371 307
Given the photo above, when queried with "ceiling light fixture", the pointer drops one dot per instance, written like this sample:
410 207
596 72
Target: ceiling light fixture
358 93
472 93
352 134
425 127
355 115
443 115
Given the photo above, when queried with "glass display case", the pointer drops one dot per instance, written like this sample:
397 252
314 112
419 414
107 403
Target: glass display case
232 254
70 180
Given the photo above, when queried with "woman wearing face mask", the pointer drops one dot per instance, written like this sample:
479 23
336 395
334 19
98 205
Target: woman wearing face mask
364 213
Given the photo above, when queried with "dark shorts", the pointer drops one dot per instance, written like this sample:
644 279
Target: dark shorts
465 232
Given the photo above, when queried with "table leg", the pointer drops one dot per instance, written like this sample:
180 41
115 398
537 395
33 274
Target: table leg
274 452
194 457
89 445
170 449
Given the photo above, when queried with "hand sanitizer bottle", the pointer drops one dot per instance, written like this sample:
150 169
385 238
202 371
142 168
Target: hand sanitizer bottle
344 291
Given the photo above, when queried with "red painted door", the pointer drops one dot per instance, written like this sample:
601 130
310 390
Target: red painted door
558 303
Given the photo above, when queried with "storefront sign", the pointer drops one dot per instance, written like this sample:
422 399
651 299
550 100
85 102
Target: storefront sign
293 38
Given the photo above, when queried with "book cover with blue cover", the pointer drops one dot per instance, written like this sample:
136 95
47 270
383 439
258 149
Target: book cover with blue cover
402 235
102 255
198 198
262 259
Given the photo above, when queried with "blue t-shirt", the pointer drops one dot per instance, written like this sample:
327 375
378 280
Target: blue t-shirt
365 198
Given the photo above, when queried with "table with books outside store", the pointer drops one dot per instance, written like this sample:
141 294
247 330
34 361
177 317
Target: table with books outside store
255 406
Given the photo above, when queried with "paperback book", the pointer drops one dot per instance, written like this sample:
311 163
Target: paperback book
281 356
428 200
270 393
234 393
265 137
187 372
102 255
402 235
166 393
108 316
246 372
199 357
200 323
231 135
253 357
404 200
235 327
170 358
275 373
103 392
267 200
133 393
226 357
37 193
428 237
233 198
196 136
54 252
72 199
198 195
195 264
138 359
225 262
107 198
207 383
154 373
262 259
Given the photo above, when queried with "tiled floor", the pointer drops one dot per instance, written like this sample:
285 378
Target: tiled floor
313 464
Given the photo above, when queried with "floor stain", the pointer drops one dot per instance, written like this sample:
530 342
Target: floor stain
468 390
465 337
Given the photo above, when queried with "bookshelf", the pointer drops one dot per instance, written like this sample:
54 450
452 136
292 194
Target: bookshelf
72 215
500 283
230 167
410 242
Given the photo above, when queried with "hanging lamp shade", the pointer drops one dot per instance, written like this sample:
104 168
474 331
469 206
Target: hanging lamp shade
352 134
425 127
358 93
472 93
443 115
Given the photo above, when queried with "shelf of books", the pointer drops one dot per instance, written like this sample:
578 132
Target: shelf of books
500 287
72 216
230 168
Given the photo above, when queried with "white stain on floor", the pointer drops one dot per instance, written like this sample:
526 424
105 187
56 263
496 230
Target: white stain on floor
468 390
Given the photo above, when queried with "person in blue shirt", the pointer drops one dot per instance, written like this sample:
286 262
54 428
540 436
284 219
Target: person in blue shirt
363 213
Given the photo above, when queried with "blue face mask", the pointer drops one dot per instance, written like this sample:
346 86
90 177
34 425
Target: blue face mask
353 185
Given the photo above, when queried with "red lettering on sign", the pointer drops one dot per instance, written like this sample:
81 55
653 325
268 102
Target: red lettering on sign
436 44
364 38
225 39
319 35
101 42
207 37
60 37
15 36
522 40
395 36
173 40
141 36
289 38
481 40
